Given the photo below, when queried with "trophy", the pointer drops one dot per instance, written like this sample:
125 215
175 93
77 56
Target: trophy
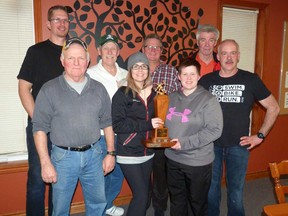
160 138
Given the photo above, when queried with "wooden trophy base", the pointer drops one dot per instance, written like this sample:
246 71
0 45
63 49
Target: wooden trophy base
156 144
159 139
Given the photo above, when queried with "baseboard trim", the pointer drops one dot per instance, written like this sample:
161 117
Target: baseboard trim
76 207
15 214
79 207
124 200
257 175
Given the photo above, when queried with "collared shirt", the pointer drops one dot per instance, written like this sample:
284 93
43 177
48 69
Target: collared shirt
216 63
205 68
72 119
111 83
167 74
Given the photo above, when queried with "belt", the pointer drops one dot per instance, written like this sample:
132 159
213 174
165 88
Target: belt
79 149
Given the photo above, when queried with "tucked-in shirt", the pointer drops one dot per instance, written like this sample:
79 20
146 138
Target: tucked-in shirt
72 119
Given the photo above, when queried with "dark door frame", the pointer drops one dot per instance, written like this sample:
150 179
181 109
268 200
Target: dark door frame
257 112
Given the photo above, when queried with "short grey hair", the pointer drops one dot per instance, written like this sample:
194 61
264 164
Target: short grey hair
209 29
228 40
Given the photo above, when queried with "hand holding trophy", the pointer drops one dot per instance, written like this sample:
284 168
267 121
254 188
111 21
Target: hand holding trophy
160 138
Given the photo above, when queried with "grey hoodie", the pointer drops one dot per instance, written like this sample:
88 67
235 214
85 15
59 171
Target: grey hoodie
196 120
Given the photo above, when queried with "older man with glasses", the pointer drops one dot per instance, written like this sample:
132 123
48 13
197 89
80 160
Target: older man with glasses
160 73
73 108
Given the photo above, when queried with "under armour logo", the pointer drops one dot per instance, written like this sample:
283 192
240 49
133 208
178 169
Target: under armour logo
184 114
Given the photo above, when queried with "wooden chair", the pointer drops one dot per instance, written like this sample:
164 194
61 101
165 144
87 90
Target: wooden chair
278 170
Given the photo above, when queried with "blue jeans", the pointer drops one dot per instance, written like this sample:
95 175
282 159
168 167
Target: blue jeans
85 166
114 180
35 194
236 161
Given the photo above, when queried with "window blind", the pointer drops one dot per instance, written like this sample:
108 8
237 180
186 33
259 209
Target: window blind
16 35
241 25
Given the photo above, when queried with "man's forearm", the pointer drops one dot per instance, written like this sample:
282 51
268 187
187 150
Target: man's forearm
48 172
40 139
272 111
109 137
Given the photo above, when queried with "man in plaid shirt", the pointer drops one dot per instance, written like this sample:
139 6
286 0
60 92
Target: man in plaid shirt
152 48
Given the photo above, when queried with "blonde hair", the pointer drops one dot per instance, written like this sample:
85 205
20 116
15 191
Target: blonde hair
131 85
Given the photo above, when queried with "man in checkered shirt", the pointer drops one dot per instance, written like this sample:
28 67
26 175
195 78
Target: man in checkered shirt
152 48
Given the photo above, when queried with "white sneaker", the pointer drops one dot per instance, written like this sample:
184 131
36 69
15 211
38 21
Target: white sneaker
115 211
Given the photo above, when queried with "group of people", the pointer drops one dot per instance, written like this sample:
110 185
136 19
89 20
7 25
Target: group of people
88 124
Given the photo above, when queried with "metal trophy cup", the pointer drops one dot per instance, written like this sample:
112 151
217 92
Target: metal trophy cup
160 137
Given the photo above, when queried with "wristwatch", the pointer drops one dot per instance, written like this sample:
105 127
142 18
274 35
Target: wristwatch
260 135
113 153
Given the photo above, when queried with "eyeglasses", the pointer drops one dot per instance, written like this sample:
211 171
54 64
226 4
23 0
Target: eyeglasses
150 47
58 20
138 67
74 40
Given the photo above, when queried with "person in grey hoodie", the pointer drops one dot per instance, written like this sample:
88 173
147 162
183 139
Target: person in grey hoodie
194 120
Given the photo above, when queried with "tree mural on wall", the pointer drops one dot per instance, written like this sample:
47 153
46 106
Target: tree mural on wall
169 19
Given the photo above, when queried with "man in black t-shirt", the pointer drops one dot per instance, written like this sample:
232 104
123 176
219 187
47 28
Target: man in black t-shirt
41 64
236 90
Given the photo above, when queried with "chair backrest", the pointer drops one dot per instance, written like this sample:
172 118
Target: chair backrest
278 170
